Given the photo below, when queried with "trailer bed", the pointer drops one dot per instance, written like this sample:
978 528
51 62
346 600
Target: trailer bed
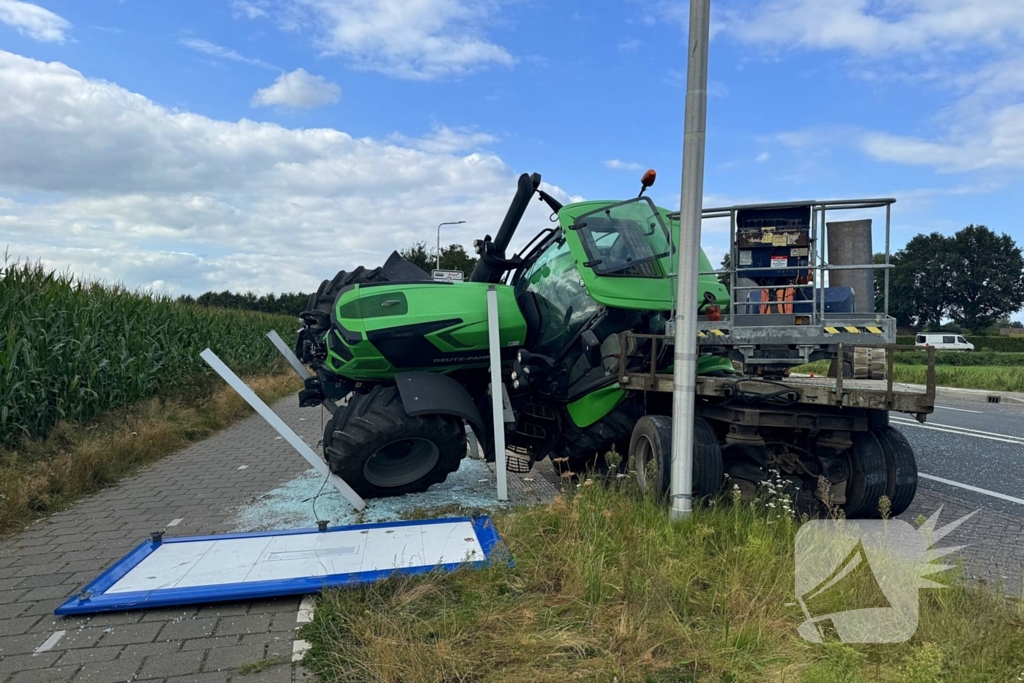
820 391
831 392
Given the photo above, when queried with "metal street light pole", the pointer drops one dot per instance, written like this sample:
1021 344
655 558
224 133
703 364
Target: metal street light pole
439 240
684 383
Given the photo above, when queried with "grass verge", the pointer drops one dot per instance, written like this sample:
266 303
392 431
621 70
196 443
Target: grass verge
605 588
41 476
992 378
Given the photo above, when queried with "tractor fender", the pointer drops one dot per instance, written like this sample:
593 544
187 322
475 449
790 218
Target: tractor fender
428 393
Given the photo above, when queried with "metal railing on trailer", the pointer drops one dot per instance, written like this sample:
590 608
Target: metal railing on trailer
799 391
814 332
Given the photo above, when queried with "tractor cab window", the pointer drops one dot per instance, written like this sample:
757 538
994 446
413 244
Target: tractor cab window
562 302
626 240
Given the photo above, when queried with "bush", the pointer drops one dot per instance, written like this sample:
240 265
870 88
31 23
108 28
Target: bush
71 350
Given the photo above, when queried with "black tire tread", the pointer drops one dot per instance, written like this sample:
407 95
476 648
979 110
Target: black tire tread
374 419
585 447
324 297
707 454
868 478
901 467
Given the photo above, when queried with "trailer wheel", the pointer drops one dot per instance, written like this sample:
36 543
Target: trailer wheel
650 454
381 450
867 476
901 467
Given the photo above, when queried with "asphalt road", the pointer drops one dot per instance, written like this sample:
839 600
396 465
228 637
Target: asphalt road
977 446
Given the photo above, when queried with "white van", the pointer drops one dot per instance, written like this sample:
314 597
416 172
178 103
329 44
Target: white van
943 341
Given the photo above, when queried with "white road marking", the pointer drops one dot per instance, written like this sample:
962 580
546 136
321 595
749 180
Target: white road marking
174 522
950 482
960 410
962 431
299 648
49 643
304 616
242 467
305 610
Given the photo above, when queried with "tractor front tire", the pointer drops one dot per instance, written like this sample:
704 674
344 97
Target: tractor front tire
381 450
583 449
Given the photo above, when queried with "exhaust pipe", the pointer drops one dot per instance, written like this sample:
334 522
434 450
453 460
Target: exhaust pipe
493 264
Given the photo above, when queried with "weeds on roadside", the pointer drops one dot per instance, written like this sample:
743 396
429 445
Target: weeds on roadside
605 588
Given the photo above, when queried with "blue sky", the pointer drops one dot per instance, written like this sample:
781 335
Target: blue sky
251 144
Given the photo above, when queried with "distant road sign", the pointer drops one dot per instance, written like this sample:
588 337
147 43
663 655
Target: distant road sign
449 276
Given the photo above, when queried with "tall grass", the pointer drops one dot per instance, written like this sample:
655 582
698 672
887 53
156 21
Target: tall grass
606 588
70 351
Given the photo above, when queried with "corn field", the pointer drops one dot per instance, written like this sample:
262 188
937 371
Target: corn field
71 350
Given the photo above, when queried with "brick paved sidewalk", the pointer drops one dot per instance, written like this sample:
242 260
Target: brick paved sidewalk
200 486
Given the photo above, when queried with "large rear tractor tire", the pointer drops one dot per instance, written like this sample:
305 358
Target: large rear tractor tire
650 452
324 297
381 450
867 479
901 467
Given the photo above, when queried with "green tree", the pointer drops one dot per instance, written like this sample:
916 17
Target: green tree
453 257
987 278
418 255
920 282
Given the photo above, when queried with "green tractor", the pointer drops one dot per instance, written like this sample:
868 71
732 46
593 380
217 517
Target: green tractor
415 351
585 302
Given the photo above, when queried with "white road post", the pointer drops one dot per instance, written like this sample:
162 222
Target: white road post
288 354
690 202
281 428
497 395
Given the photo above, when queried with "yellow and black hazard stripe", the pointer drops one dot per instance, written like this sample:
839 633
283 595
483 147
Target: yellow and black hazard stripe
712 333
869 329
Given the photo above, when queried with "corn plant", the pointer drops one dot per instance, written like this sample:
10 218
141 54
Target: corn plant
70 350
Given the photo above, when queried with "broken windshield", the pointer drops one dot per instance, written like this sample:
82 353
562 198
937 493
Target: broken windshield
626 239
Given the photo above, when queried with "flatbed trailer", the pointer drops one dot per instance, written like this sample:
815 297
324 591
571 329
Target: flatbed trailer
829 436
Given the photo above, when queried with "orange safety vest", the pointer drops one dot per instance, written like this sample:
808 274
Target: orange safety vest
778 304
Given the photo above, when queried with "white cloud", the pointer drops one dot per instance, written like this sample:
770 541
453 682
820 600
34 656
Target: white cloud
247 9
970 48
412 39
877 28
762 157
116 186
214 50
630 45
445 140
996 141
297 89
619 165
34 21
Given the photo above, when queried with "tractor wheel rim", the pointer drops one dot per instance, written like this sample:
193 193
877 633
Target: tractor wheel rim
401 462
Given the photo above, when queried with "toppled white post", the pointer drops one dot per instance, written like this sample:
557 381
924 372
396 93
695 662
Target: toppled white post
289 356
497 394
296 442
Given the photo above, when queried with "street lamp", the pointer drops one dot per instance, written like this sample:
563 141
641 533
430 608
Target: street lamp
439 239
684 381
